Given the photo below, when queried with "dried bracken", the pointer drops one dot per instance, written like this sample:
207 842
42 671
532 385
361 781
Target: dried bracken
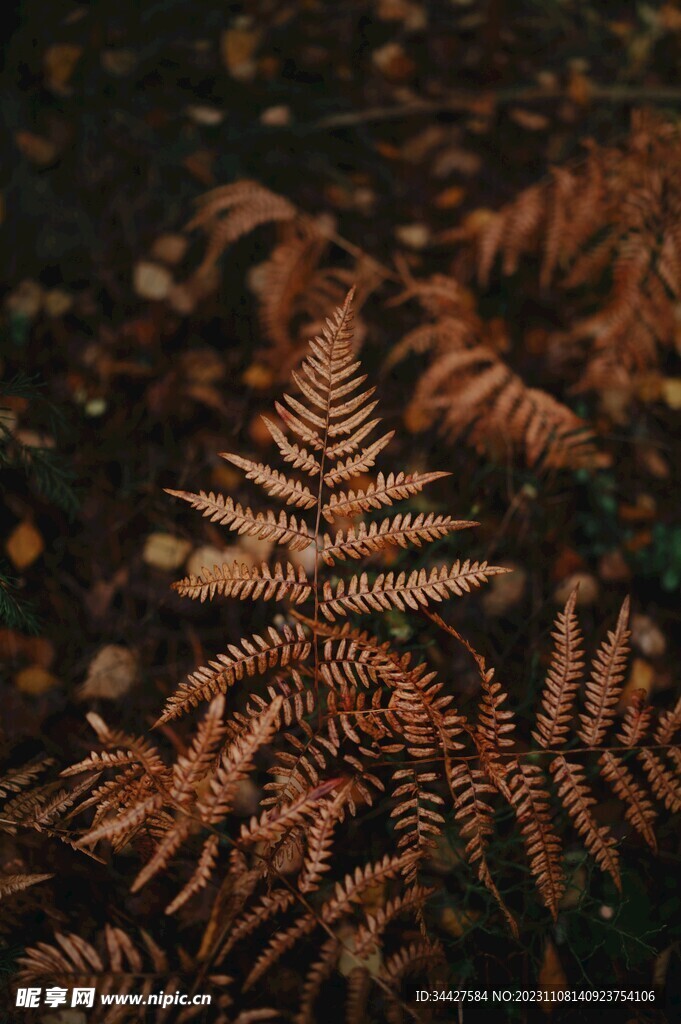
349 722
469 391
613 218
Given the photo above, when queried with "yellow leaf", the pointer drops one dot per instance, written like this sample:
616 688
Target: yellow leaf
60 61
671 392
24 545
152 281
238 46
35 680
450 197
641 677
164 551
258 377
111 673
551 975
37 148
456 921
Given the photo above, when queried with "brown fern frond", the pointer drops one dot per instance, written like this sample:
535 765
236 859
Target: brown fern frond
384 491
532 805
604 687
664 782
577 800
281 529
470 392
318 973
638 809
243 581
611 223
362 541
255 656
403 591
417 824
562 679
237 762
277 484
10 884
229 212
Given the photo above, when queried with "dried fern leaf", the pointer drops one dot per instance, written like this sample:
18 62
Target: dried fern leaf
413 591
276 484
577 800
384 491
243 581
362 541
604 687
562 680
532 806
256 655
10 884
281 529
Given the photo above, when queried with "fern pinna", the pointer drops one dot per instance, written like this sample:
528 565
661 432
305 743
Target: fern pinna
352 723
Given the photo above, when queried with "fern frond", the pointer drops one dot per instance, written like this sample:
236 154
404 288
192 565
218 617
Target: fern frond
577 800
281 529
401 531
229 212
243 581
604 687
562 680
403 591
256 655
384 491
9 884
277 484
532 805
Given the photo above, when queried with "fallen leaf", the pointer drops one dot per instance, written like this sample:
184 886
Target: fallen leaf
238 46
165 551
36 148
206 557
169 248
505 592
647 636
111 673
671 392
450 197
277 116
258 376
641 677
587 593
552 977
152 281
456 921
34 680
24 545
206 116
416 236
60 61
26 300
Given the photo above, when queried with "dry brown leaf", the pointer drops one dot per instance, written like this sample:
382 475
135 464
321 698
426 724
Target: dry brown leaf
238 46
641 677
24 545
505 592
647 636
111 673
60 61
169 248
551 975
152 281
36 148
165 551
587 593
671 392
34 680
